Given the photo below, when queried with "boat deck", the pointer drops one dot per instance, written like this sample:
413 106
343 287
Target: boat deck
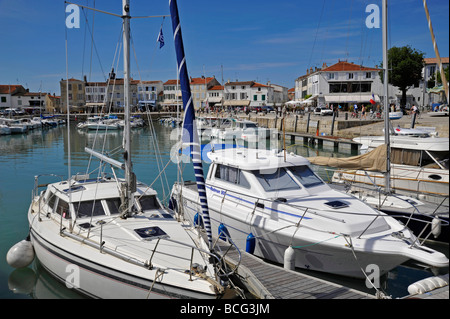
267 281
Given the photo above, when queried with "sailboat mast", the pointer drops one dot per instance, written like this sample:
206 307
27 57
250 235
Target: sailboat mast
126 60
386 97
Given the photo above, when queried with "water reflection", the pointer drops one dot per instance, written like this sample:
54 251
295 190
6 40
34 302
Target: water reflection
46 152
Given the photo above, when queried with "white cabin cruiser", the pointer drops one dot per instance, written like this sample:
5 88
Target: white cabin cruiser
246 130
271 201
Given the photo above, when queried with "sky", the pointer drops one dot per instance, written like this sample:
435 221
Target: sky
250 40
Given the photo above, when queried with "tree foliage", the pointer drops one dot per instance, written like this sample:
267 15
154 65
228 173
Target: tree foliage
405 68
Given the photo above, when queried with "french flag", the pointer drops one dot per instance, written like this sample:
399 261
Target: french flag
372 100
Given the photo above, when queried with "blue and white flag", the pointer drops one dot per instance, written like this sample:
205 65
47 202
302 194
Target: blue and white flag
160 38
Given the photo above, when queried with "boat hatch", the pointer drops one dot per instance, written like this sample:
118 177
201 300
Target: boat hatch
150 233
74 189
86 225
337 204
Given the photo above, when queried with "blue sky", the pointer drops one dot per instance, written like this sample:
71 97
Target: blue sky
261 40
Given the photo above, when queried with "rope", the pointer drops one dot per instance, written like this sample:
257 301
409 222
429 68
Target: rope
159 273
379 294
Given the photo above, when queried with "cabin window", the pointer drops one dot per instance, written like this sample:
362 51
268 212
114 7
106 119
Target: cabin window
63 209
232 175
89 209
306 176
52 201
149 203
276 181
113 206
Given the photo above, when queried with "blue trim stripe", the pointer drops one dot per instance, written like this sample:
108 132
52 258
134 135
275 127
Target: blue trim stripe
190 135
254 203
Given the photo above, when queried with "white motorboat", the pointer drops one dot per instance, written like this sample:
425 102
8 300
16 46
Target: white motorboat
395 115
110 237
4 129
97 123
269 204
419 167
16 126
246 130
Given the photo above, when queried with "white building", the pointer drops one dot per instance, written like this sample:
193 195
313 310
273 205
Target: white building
252 94
149 93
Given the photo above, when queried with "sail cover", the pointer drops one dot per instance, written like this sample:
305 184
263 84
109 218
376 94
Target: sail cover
371 161
190 134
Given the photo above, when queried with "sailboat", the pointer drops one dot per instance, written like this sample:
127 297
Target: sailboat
110 237
413 183
271 204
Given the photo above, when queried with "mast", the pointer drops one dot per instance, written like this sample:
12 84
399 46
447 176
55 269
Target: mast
386 98
190 134
127 136
436 51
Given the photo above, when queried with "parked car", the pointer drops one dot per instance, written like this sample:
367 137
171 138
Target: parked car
323 111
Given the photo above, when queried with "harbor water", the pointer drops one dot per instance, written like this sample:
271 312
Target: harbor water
45 151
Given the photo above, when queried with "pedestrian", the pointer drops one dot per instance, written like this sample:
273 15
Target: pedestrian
363 112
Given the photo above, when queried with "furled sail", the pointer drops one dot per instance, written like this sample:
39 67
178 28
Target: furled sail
190 135
371 161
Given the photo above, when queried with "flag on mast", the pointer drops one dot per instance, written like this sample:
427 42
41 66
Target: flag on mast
372 100
160 38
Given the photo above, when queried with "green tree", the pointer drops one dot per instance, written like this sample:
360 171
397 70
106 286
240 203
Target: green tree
405 68
436 79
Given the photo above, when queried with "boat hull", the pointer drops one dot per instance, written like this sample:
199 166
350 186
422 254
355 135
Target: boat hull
101 281
332 255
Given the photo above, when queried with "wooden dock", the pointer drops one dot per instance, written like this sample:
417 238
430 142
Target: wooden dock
337 143
267 281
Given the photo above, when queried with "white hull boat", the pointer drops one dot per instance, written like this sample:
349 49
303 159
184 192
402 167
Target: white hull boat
272 204
112 257
110 237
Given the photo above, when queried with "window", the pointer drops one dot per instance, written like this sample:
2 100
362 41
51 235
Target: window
255 97
368 75
263 97
278 181
113 206
52 201
148 203
63 209
306 176
88 209
330 76
350 76
3 99
231 175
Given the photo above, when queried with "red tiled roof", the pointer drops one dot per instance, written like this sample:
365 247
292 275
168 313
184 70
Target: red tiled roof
435 61
171 82
217 88
195 81
347 66
10 89
259 85
240 83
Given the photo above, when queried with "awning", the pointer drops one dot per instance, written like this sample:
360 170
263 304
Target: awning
436 90
351 98
213 100
237 103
